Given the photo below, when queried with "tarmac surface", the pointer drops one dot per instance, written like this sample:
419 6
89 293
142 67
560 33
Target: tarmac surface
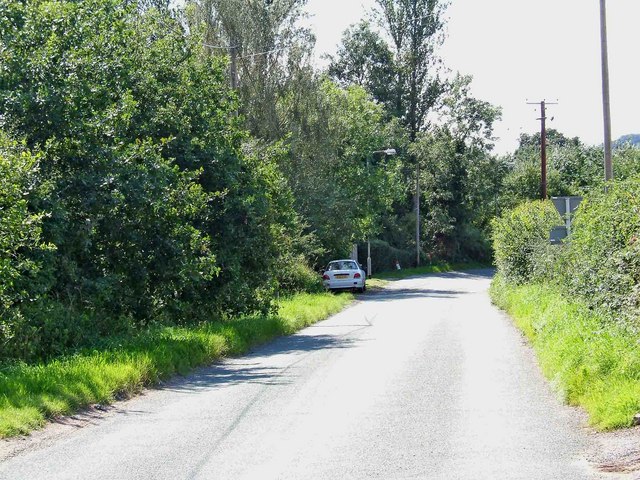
423 380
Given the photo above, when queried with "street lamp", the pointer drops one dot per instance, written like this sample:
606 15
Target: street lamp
387 152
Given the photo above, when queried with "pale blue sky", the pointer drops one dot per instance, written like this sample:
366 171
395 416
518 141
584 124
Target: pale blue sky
525 49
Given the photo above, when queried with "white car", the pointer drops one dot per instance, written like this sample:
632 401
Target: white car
341 274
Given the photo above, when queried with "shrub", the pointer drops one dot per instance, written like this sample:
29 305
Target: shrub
604 253
295 276
518 234
20 232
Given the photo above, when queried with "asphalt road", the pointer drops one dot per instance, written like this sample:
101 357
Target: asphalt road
425 380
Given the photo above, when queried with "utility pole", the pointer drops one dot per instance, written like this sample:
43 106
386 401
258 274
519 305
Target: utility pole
606 108
543 146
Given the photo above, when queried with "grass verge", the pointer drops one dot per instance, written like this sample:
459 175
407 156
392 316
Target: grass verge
594 362
31 394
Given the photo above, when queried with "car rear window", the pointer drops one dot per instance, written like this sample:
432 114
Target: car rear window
347 265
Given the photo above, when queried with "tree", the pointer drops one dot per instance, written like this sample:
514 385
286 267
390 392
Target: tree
416 30
334 133
154 206
459 177
573 168
364 59
264 43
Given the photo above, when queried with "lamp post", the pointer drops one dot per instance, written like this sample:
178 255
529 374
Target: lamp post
389 152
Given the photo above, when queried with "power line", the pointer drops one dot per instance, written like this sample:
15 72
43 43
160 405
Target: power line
250 55
265 53
233 54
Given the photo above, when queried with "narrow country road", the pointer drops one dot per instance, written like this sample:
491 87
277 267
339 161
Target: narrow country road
426 380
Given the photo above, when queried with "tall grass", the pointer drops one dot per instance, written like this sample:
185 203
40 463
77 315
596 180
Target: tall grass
31 394
593 361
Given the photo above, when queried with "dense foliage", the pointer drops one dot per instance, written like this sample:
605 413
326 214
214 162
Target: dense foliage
600 260
518 236
604 253
156 209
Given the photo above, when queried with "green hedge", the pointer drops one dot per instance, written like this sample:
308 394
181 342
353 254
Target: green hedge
603 257
518 237
600 262
579 303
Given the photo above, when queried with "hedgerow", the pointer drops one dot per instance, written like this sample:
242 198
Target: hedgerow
160 209
518 235
603 254
579 302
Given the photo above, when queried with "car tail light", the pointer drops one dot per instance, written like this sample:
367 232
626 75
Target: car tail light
357 275
325 277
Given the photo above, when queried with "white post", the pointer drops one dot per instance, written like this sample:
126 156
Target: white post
368 259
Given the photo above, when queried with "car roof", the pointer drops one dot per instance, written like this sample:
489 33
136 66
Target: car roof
344 260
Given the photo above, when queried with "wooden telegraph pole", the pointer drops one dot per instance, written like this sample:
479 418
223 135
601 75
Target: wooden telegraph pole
543 145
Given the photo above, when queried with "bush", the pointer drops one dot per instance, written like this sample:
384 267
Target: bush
20 232
604 253
295 276
518 234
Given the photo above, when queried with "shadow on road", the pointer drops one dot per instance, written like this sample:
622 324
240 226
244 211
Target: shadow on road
468 274
261 366
389 295
269 365
394 290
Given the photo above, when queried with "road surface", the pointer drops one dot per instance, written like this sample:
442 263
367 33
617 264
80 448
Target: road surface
425 380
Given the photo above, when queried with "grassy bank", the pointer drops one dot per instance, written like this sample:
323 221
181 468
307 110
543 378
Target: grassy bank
593 362
29 394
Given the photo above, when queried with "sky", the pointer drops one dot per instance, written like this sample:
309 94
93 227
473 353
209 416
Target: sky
521 51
